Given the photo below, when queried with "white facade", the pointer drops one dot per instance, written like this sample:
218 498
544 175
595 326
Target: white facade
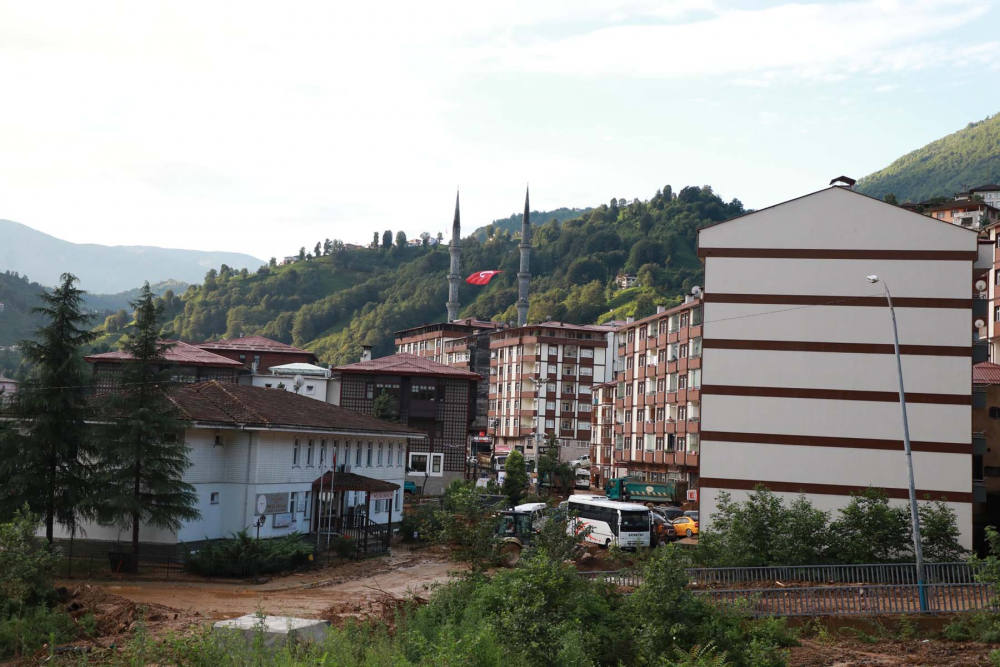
315 380
231 468
799 386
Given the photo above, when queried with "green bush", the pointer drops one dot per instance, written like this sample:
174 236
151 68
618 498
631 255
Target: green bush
343 545
242 555
25 567
27 632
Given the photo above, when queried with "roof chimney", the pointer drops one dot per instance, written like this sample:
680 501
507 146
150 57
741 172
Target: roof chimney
843 182
661 309
629 320
366 353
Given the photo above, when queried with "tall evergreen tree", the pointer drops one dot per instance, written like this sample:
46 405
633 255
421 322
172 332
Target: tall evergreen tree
387 239
144 455
45 450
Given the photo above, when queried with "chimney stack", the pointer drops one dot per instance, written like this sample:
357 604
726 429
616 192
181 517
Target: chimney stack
629 320
661 309
366 353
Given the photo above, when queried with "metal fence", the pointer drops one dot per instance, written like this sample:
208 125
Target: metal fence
885 573
856 600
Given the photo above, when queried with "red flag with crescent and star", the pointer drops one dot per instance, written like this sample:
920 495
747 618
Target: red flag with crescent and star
481 277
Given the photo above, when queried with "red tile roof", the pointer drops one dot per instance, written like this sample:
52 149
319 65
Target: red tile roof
407 364
180 353
251 344
986 373
245 405
349 481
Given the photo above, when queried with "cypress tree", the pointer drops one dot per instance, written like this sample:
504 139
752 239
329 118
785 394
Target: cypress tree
45 450
144 455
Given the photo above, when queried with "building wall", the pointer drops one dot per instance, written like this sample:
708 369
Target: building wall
312 386
799 384
265 359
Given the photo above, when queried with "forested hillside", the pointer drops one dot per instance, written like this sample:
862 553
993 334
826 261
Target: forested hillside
345 298
18 296
967 158
512 225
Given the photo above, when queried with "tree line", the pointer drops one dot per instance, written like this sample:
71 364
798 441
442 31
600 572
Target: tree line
77 457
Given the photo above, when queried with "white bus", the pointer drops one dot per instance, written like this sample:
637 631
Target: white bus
625 524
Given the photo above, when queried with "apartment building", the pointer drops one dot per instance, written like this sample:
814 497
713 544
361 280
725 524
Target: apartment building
541 383
987 291
602 436
428 340
658 404
966 212
986 449
799 387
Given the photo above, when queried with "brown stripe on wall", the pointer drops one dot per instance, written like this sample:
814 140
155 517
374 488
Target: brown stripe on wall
842 253
834 394
849 348
819 300
828 441
827 489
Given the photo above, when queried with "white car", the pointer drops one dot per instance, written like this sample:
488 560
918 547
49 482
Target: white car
582 462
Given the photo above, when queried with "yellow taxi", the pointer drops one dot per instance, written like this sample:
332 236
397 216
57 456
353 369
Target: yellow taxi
685 526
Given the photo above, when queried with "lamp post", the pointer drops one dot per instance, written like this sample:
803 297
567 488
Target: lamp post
914 514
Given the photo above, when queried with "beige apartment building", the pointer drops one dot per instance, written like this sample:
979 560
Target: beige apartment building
799 390
541 383
603 465
658 403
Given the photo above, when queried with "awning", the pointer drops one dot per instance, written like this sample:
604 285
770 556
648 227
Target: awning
348 481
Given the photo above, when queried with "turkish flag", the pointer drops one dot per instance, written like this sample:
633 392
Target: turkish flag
482 277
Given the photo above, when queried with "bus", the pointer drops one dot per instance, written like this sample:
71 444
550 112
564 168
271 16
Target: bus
625 524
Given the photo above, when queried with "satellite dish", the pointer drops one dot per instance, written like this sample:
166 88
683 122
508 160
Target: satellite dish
696 289
297 381
981 285
979 324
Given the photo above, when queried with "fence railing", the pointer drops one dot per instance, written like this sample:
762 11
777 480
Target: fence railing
872 573
856 600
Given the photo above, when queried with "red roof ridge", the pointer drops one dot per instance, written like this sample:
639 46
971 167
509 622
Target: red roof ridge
218 386
406 363
986 372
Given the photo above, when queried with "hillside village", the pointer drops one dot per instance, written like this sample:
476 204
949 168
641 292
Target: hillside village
285 382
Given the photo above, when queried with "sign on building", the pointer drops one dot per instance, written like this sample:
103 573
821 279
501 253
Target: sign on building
272 503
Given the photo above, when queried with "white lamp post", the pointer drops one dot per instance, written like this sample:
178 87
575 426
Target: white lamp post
914 514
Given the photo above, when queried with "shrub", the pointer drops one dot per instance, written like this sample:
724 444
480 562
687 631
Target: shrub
28 631
242 555
25 567
343 545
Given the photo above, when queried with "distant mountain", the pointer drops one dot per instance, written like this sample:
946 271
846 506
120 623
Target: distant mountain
17 297
513 223
106 269
100 302
967 158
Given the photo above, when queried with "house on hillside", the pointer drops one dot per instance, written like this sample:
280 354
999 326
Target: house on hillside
292 460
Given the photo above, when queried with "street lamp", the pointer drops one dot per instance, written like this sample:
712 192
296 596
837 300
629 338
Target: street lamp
914 514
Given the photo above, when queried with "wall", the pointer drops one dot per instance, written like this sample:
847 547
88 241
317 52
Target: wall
799 385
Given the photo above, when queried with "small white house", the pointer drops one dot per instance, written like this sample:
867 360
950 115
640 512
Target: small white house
257 452
303 379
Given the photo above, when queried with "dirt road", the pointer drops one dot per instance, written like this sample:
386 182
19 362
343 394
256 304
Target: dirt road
306 597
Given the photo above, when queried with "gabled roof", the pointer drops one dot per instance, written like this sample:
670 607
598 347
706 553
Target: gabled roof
180 353
407 364
251 344
243 405
989 187
986 373
349 481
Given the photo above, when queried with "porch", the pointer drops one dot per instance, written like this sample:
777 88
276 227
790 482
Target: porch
333 517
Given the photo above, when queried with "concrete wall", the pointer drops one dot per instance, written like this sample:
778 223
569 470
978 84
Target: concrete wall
779 416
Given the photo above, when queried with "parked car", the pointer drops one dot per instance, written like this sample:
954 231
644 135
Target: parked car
409 487
692 513
669 513
661 528
582 462
686 526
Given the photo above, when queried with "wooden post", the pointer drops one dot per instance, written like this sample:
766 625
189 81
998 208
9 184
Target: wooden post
368 515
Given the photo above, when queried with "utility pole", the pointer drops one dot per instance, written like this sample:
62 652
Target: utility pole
918 549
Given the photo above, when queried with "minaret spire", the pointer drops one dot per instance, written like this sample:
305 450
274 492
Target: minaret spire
456 255
524 275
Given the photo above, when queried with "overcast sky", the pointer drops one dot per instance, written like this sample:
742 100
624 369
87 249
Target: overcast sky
263 127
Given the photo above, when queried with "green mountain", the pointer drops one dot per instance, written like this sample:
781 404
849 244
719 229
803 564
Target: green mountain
964 159
119 300
339 301
512 225
18 296
101 268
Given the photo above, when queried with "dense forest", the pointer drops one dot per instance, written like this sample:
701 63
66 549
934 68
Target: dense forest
338 299
966 158
513 223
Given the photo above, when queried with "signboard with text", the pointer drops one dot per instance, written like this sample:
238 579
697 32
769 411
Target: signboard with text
282 520
272 503
692 495
381 495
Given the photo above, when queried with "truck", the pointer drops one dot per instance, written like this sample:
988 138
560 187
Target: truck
631 490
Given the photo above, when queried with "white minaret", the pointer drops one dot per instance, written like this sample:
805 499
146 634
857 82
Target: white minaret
524 275
456 255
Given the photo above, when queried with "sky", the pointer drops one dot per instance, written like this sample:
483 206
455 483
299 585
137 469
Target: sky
262 127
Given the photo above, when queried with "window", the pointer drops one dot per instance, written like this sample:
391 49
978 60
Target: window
630 362
586 353
310 389
550 423
682 413
243 358
267 385
423 392
642 359
292 506
369 390
683 352
418 464
550 405
565 425
568 370
214 498
357 455
685 318
568 387
437 460
659 414
309 453
306 504
388 460
584 425
368 458
396 504
256 360
631 336
295 452
661 384
661 356
322 453
663 326
586 371
399 455
551 386
567 406
994 413
380 455
682 382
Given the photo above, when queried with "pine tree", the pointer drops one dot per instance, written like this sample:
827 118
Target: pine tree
384 407
44 452
144 456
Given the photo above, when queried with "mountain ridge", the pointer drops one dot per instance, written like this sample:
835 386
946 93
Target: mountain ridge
104 269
